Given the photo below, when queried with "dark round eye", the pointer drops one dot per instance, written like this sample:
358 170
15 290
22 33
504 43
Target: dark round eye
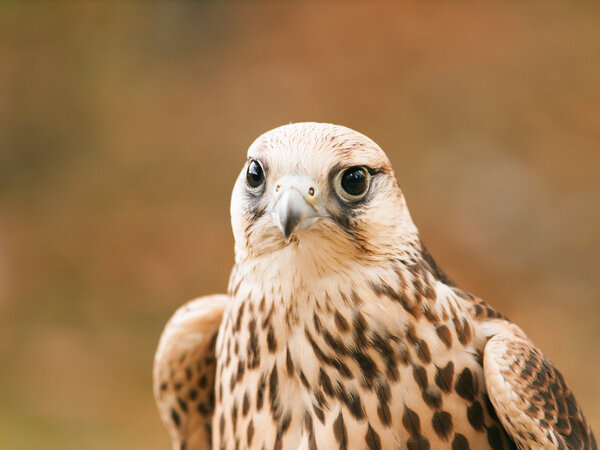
255 175
354 181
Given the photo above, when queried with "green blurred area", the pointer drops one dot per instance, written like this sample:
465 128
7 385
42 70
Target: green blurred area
123 128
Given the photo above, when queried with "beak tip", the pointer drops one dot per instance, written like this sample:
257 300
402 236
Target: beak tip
290 210
289 224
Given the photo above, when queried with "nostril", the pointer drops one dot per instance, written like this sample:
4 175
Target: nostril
311 192
277 188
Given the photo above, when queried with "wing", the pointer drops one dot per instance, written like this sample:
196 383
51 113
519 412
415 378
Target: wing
531 398
184 372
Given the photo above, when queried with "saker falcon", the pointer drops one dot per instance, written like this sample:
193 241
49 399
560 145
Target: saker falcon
340 331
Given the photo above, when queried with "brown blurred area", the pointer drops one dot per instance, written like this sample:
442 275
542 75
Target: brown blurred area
123 128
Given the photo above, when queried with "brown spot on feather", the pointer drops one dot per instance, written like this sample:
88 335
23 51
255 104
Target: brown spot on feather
444 377
442 424
444 334
339 431
372 439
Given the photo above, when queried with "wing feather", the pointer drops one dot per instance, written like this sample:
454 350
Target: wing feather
531 397
184 372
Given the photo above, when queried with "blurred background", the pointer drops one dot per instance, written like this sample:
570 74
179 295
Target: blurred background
123 128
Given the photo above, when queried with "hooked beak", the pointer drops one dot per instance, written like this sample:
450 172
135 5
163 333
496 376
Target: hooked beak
294 210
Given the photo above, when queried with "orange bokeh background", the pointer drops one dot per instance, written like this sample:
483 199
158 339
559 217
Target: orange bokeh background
123 128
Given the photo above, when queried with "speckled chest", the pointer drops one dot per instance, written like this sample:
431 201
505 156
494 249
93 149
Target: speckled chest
343 376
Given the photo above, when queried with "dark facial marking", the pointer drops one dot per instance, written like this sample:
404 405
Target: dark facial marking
254 208
345 211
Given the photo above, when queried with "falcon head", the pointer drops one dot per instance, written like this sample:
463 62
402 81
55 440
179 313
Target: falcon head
319 192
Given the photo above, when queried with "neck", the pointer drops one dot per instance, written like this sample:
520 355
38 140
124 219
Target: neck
297 281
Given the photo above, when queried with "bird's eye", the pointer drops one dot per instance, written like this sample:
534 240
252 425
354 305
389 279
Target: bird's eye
255 174
354 182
